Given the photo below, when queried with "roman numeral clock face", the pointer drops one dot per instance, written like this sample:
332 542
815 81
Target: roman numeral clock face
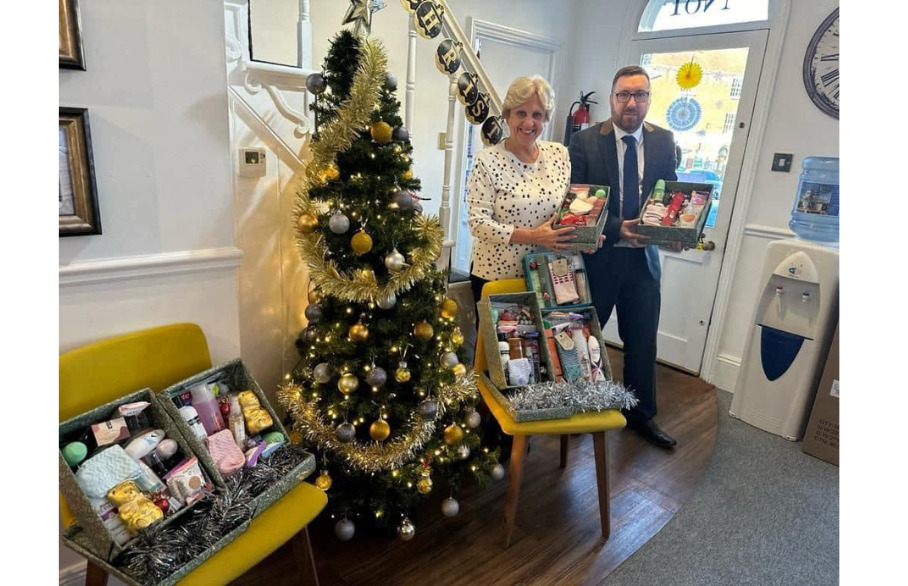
821 66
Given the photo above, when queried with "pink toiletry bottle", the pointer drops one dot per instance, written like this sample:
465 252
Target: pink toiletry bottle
206 405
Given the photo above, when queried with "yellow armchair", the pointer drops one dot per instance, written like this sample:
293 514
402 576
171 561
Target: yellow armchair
596 423
156 358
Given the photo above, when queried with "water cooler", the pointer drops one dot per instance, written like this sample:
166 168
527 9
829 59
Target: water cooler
796 316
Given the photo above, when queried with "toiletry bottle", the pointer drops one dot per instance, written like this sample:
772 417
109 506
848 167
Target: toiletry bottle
191 417
659 192
673 208
236 422
206 405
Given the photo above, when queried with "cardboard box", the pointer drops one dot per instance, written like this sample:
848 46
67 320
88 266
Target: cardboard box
686 235
488 331
237 378
538 276
586 237
821 439
96 535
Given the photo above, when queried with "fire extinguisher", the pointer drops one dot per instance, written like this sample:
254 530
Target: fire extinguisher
578 119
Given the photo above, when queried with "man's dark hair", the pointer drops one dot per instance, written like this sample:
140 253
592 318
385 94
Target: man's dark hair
629 70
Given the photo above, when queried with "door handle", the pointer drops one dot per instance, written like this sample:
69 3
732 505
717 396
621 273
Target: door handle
708 245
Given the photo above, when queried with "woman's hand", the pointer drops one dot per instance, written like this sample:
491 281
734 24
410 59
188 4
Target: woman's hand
545 235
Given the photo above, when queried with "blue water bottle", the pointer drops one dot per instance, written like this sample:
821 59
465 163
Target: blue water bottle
815 215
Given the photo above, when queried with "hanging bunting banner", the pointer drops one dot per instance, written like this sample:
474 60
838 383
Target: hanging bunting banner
447 56
492 130
467 92
411 5
478 111
427 19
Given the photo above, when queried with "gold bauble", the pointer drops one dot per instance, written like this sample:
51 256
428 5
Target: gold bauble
402 374
424 484
423 330
361 243
348 383
408 174
448 308
324 480
295 436
315 296
453 434
307 223
380 430
331 171
457 337
459 370
358 333
381 132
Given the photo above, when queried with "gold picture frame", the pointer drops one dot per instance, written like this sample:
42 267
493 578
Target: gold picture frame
78 193
71 54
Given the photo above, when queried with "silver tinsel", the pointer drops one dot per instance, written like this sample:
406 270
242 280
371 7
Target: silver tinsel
580 396
160 550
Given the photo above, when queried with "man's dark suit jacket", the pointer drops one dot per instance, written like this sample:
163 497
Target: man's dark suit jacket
594 159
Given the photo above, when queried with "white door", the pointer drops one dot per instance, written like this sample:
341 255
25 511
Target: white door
505 53
711 123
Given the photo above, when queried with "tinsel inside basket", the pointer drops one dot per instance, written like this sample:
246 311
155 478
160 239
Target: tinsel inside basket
163 554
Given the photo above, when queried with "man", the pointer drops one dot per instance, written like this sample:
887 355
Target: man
629 155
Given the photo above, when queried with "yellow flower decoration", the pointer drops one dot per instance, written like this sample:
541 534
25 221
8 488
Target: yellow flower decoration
689 75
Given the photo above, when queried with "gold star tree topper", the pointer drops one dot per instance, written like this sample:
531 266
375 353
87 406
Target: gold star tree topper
360 13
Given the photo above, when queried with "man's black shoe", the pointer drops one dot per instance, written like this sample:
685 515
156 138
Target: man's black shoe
651 432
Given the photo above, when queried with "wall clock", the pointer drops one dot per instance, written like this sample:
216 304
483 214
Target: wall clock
821 66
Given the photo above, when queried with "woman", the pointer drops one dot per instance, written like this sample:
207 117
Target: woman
516 187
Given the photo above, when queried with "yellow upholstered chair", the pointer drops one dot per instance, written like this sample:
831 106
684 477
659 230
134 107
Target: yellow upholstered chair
156 358
596 423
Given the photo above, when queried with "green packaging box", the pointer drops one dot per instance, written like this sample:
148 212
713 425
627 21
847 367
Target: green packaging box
237 378
687 235
587 237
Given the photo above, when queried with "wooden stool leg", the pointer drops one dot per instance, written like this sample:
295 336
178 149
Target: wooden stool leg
564 446
600 453
518 455
95 575
302 550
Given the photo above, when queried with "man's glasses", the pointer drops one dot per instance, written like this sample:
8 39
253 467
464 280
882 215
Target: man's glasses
625 97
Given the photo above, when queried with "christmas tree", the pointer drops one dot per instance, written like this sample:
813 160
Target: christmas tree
380 393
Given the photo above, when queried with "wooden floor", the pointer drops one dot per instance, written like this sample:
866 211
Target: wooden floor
558 537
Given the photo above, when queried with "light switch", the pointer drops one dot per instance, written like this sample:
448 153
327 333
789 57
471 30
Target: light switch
442 139
252 162
782 162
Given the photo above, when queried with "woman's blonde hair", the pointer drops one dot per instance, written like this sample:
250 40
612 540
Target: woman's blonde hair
524 88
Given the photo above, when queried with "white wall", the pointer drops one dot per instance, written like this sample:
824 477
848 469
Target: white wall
156 95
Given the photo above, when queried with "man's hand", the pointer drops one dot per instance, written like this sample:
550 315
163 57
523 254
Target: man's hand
629 234
592 250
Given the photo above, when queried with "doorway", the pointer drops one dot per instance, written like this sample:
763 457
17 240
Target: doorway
711 122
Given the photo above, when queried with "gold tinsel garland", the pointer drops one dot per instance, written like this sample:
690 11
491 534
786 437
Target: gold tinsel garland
353 115
362 285
374 456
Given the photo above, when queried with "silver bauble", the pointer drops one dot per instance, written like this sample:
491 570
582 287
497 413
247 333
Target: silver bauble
390 81
403 200
387 302
400 133
395 261
316 83
463 452
338 223
473 419
450 507
309 334
497 472
345 432
313 313
428 408
407 530
322 373
377 376
449 360
344 529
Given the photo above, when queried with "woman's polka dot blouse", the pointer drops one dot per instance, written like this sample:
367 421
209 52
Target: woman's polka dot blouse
504 193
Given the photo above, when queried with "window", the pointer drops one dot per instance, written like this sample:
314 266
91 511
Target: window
735 88
663 15
729 122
